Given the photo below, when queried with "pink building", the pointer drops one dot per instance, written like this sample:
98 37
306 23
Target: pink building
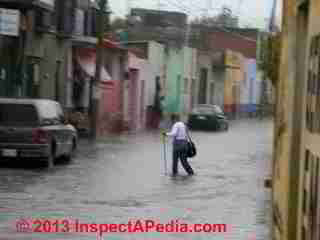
113 74
135 91
111 115
122 90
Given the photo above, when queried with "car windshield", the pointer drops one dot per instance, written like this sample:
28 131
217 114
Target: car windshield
18 115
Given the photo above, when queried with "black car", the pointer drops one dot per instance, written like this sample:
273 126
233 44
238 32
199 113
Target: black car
208 117
35 129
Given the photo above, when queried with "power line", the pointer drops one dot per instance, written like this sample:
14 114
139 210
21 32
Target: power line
188 11
193 11
229 31
199 11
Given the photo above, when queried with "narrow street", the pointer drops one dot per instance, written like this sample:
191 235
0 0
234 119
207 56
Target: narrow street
112 182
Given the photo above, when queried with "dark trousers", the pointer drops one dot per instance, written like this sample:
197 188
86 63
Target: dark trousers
180 152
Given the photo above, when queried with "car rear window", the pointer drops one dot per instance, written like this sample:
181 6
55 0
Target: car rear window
18 115
203 110
50 110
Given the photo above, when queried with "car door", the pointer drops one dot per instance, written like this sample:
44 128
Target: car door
65 130
50 116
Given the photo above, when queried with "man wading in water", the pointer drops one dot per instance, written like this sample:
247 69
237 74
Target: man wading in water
179 133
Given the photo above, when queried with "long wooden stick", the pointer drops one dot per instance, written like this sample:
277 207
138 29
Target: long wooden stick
164 154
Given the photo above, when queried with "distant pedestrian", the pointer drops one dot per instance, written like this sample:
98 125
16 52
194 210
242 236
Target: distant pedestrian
179 133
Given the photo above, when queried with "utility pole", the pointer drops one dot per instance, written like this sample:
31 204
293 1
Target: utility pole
96 93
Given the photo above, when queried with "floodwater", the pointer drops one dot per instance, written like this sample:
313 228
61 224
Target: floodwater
122 179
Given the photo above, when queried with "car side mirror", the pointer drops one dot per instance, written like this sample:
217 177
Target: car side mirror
64 120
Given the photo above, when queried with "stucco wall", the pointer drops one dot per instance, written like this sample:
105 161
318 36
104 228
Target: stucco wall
204 61
228 95
110 106
257 92
283 129
254 97
234 73
174 80
190 71
180 65
245 86
145 77
53 51
308 27
219 78
156 68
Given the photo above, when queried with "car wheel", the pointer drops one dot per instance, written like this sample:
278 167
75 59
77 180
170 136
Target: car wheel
219 126
222 126
49 162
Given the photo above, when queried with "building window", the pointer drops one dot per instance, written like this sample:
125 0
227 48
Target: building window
178 89
203 86
310 198
305 187
306 167
313 88
212 93
304 206
303 233
186 85
193 92
315 199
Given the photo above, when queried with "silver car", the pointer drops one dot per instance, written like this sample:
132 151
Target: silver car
35 129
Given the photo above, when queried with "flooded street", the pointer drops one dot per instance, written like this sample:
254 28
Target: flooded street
120 179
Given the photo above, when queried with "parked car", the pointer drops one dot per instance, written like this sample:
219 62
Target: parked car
35 129
208 117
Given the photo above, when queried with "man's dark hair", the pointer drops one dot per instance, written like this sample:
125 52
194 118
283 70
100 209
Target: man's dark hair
175 117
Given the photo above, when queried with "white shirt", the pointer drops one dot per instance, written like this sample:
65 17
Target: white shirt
179 131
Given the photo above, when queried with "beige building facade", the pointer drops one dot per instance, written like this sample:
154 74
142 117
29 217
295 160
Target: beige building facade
296 163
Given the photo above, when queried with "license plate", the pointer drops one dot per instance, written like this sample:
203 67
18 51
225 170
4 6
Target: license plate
202 118
9 153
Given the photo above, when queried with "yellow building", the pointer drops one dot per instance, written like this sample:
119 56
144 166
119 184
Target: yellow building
234 75
296 163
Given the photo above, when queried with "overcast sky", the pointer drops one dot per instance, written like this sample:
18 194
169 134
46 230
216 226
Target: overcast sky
251 12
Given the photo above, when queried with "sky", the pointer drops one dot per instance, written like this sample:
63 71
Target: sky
253 13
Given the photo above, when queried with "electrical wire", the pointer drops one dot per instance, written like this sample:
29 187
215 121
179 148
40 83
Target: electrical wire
198 12
222 28
193 11
189 12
